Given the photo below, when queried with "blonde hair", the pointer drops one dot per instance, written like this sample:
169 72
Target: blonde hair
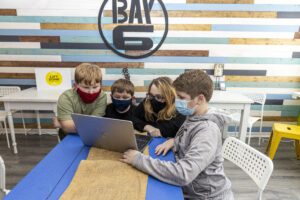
164 84
88 73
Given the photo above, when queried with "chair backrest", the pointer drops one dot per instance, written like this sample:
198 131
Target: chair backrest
6 90
258 98
257 165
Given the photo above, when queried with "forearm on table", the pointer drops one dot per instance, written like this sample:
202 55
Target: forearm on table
68 126
167 171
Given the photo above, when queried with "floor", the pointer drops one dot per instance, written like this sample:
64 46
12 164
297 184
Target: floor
283 185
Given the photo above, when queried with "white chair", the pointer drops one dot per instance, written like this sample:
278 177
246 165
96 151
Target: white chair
2 178
257 98
6 90
256 165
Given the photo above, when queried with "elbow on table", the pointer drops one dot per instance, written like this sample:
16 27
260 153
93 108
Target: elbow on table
182 180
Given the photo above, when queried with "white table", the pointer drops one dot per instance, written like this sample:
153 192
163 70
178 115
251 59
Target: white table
30 99
234 101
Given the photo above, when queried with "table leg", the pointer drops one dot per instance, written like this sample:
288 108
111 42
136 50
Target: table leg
12 131
38 121
244 122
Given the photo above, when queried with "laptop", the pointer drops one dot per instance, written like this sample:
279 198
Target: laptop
110 134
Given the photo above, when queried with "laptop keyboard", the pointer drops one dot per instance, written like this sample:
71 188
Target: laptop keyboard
142 141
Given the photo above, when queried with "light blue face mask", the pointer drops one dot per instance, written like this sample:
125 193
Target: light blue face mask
182 107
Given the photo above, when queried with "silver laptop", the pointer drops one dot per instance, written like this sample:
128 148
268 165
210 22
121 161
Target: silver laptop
110 134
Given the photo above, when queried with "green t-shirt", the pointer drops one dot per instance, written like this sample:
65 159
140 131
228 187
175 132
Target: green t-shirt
69 102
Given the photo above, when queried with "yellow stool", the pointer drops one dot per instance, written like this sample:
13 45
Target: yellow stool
283 131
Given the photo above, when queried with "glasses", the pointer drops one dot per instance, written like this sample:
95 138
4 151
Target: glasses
156 97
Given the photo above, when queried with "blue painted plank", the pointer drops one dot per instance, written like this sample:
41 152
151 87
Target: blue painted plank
6 81
54 19
279 96
180 59
288 108
168 40
255 28
264 84
288 14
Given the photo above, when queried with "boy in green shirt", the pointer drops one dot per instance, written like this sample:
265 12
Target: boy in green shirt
84 98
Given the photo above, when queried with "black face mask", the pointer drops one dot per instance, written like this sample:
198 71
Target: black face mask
121 105
157 106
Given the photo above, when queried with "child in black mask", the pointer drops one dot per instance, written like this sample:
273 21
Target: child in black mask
157 114
122 95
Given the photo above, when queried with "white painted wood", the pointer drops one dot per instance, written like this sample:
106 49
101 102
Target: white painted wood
30 58
66 4
250 53
24 45
16 25
246 21
16 69
53 12
231 47
277 2
262 90
266 113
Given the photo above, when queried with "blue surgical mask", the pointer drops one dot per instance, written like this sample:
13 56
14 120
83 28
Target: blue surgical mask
121 105
182 107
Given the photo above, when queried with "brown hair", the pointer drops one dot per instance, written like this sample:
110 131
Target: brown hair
88 74
164 84
194 83
122 85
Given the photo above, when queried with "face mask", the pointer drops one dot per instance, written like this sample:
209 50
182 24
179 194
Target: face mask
121 105
157 106
182 107
87 97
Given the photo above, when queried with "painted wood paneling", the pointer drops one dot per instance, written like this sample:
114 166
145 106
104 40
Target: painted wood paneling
257 40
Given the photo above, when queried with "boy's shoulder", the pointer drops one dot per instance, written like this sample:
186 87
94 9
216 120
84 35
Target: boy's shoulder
203 127
67 95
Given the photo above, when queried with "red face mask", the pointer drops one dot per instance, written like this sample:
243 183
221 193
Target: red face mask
87 97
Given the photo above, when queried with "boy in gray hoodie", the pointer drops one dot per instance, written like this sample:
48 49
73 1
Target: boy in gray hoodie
197 145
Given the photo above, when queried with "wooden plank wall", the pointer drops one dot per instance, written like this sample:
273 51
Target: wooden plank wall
257 40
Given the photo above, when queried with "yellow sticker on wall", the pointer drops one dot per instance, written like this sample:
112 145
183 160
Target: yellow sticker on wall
54 78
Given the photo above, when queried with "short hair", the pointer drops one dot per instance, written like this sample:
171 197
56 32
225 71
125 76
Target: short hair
122 85
194 83
88 74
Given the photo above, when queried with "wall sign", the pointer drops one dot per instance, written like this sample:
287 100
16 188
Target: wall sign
133 28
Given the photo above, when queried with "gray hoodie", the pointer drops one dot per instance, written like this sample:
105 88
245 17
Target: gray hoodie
198 151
